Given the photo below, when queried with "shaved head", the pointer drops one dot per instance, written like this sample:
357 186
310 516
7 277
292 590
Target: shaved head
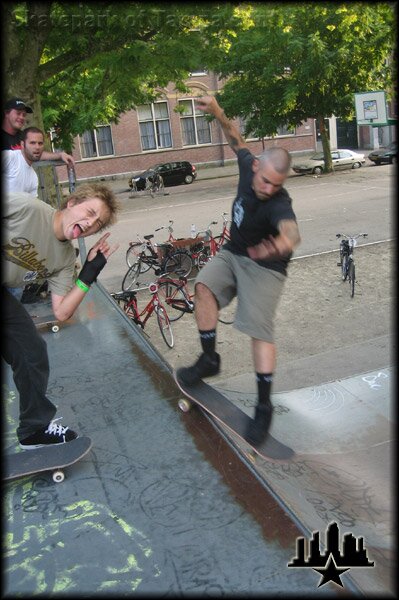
279 158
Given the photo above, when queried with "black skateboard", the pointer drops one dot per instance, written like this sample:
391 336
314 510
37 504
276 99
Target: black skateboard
54 458
230 415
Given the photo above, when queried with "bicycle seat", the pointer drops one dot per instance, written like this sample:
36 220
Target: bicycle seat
128 295
149 237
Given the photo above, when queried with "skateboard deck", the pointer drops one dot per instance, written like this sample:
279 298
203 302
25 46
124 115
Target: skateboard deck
44 321
54 458
51 321
230 415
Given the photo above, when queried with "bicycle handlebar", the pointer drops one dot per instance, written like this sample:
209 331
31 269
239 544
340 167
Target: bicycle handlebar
207 230
351 237
166 226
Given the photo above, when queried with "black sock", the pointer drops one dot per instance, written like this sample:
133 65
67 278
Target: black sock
265 381
208 341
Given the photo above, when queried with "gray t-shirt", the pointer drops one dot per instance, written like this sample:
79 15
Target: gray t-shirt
30 249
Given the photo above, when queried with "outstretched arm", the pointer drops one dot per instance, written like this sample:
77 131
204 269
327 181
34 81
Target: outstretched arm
67 158
208 104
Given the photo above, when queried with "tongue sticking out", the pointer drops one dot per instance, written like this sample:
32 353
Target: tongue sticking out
76 231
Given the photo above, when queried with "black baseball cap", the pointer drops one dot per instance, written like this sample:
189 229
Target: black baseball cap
17 103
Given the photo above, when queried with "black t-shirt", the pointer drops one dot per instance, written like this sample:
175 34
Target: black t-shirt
9 141
253 219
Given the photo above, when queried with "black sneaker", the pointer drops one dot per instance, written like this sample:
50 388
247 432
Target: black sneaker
206 366
53 434
259 427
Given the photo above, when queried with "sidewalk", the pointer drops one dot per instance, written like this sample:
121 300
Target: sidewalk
117 181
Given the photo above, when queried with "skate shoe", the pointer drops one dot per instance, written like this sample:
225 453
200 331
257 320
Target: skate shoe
52 434
206 366
259 427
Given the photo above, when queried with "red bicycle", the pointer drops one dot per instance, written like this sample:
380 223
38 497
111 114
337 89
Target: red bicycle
128 302
213 243
176 296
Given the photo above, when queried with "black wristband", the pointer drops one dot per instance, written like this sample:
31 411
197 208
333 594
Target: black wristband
92 268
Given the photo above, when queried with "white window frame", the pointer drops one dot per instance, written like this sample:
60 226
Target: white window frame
154 121
194 116
96 143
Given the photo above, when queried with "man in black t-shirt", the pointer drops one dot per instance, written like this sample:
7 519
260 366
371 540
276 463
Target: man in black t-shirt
14 120
252 266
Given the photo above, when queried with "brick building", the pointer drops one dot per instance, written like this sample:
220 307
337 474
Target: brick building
157 132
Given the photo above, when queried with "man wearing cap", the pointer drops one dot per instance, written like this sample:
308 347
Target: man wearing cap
14 120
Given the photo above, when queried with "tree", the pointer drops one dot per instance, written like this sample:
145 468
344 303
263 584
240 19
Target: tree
306 60
80 64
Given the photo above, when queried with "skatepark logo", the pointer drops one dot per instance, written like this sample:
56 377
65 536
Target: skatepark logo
332 563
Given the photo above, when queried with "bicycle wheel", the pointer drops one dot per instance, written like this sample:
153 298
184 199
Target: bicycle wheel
351 278
202 258
131 276
165 326
178 264
133 254
157 186
175 298
344 267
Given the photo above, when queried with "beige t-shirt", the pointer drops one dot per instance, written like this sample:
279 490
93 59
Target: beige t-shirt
30 250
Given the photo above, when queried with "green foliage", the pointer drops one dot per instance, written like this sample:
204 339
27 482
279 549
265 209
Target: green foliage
306 60
89 62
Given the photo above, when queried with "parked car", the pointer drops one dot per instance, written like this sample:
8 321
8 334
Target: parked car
172 173
341 159
385 155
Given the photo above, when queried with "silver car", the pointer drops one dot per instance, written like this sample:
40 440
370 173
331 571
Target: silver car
341 159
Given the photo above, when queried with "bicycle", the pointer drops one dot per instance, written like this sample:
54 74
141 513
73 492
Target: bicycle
136 248
347 262
214 243
194 246
163 260
127 300
153 184
176 295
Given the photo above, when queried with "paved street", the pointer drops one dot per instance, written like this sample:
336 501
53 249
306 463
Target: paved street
316 316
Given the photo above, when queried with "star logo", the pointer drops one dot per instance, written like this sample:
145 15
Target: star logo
330 572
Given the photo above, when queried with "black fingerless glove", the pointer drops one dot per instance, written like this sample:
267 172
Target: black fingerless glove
92 268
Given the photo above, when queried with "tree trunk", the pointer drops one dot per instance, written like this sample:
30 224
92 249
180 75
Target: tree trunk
21 77
328 168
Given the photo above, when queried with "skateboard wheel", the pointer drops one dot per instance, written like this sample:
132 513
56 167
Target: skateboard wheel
252 457
55 328
58 476
184 404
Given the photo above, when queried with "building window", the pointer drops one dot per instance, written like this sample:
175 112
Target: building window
198 73
154 126
195 128
285 130
97 142
282 130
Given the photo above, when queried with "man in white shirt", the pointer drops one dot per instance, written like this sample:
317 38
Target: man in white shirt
17 170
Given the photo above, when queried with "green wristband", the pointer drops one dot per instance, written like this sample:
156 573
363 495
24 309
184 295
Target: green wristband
82 285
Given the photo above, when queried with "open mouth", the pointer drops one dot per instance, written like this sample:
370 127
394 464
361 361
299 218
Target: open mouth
77 231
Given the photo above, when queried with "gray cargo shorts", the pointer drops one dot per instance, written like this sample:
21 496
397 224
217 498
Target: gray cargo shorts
258 291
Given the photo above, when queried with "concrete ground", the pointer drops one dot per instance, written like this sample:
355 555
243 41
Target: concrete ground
147 498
